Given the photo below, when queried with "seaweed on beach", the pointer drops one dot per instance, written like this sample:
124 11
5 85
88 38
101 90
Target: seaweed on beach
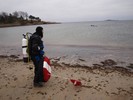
109 62
130 65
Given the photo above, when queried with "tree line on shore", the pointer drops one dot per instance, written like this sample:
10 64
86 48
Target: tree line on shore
17 17
20 17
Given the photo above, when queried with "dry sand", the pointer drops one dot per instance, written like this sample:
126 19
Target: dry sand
16 83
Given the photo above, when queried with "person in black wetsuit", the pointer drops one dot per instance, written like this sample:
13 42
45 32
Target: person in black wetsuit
36 53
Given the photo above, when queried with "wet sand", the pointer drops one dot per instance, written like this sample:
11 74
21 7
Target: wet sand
98 83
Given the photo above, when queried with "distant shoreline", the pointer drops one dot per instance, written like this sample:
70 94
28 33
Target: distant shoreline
28 24
20 18
12 25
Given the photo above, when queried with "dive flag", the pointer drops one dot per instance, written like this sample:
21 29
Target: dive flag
46 69
76 82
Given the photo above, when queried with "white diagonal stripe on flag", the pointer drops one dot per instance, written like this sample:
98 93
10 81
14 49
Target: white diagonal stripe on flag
47 66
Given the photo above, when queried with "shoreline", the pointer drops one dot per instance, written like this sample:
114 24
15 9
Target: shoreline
105 84
28 24
15 25
72 58
107 65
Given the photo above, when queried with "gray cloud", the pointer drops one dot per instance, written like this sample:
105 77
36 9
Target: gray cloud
72 10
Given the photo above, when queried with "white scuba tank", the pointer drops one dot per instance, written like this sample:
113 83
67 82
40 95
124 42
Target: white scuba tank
24 48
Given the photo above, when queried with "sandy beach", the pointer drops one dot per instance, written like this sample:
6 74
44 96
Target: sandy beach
98 83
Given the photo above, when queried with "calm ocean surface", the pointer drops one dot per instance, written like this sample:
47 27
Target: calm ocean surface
92 41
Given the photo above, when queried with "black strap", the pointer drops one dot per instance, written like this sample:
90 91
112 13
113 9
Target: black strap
24 46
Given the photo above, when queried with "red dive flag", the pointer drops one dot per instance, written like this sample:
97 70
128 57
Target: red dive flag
76 82
46 69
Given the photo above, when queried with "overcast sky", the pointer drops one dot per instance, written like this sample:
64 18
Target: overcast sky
72 10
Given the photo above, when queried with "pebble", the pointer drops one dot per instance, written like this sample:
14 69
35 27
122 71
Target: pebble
15 78
18 98
40 92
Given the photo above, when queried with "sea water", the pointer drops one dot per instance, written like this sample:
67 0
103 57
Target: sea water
92 41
